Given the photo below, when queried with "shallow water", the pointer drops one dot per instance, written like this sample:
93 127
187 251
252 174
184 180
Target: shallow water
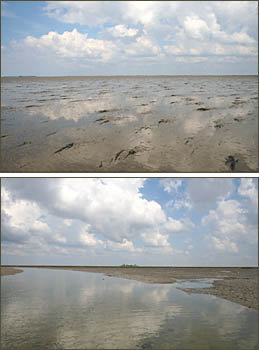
167 124
43 309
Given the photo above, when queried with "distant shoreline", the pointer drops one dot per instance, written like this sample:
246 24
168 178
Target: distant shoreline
129 76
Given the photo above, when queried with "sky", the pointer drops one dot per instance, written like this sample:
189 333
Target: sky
129 37
115 221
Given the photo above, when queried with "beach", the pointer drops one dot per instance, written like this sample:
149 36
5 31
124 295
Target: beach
130 124
236 284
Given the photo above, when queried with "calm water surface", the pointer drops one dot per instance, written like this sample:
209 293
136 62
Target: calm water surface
48 309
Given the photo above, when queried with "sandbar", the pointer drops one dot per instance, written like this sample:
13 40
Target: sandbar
6 271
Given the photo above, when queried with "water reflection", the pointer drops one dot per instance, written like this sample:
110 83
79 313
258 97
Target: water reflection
176 119
68 309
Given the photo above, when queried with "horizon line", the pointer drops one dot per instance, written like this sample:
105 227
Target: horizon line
126 75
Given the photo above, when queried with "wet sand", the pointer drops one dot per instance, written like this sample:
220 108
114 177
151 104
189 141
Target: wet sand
236 284
123 124
6 271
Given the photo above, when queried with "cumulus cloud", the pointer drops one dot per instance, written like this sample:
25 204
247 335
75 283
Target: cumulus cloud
147 32
111 212
229 226
248 189
155 239
122 31
102 217
73 44
224 245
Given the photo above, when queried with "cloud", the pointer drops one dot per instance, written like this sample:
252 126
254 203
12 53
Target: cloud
73 44
171 185
229 226
100 218
195 27
155 239
248 189
224 245
111 36
204 193
125 245
122 31
93 212
172 225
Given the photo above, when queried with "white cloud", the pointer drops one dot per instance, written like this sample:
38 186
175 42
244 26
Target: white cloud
155 239
184 225
248 189
178 204
143 46
191 59
88 239
174 225
73 45
195 27
171 185
121 31
229 225
125 245
224 245
59 238
99 218
150 34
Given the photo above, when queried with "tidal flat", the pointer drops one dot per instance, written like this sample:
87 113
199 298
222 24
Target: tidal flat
56 308
130 124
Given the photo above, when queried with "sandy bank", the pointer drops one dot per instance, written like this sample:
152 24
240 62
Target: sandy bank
6 271
236 284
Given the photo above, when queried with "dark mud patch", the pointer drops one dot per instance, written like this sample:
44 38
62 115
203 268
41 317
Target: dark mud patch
203 109
231 161
118 154
239 119
65 148
102 120
32 106
165 121
188 140
108 110
24 143
218 124
142 128
238 102
147 112
52 133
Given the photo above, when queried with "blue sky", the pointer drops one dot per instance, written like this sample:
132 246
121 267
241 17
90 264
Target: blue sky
129 37
175 222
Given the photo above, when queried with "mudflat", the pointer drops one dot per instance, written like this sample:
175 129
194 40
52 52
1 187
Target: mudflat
236 284
6 271
130 124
